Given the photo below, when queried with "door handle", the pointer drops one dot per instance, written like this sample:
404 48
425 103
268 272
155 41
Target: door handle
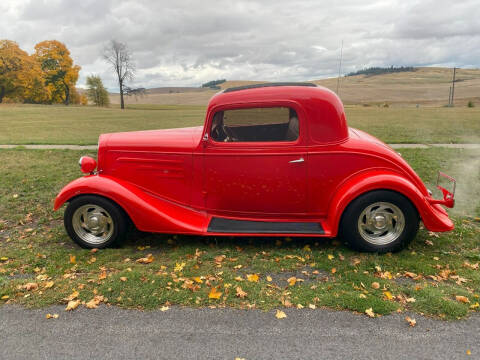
297 161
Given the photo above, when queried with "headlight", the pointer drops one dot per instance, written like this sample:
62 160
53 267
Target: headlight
87 164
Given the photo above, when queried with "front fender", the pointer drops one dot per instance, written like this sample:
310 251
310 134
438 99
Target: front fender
434 217
148 212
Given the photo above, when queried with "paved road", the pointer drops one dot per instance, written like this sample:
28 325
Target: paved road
184 333
94 147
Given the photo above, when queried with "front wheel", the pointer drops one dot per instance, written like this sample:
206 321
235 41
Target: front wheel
95 222
379 221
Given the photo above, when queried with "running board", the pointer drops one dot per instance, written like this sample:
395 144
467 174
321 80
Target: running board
222 225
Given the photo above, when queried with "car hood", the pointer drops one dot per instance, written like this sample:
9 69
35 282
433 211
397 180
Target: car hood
171 140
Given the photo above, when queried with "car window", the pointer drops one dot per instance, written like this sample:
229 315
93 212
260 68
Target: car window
255 125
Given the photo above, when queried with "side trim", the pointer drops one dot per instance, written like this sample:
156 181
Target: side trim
223 225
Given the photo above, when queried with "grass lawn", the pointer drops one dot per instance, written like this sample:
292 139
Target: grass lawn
39 265
40 124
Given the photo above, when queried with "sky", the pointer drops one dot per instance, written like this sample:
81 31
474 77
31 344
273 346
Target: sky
187 43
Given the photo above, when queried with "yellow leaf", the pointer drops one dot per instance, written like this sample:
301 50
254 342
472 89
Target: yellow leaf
292 281
123 278
375 285
410 321
238 278
48 284
5 297
252 277
411 300
103 275
462 299
179 267
92 304
299 306
146 260
73 259
334 270
330 257
280 314
269 278
3 258
197 279
51 316
388 295
370 312
214 294
312 306
362 296
72 305
475 306
164 308
307 248
72 296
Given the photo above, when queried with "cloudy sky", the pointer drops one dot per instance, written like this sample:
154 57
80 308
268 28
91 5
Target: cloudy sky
186 42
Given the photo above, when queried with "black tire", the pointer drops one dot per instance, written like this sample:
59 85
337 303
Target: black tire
356 232
116 216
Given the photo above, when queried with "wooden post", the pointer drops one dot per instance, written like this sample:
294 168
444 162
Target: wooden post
453 84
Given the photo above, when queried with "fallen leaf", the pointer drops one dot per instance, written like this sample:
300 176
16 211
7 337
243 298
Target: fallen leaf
334 270
5 297
198 280
3 258
92 304
312 306
30 286
388 295
73 259
238 278
362 296
292 281
410 321
179 267
330 257
462 299
299 306
252 277
240 293
280 314
214 294
475 306
370 312
72 296
103 275
146 260
409 274
72 305
375 285
51 316
410 300
123 278
307 248
164 308
269 278
48 284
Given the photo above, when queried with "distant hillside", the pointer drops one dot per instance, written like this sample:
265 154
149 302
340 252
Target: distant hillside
371 71
425 85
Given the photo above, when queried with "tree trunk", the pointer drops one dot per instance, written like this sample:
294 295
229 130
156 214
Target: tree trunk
67 94
122 104
2 93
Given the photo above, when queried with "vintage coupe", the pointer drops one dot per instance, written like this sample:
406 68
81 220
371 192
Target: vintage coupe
270 160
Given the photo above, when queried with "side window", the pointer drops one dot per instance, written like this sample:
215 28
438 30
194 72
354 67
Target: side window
255 124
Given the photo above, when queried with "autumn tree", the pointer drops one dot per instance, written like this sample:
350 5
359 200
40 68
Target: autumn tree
119 57
59 71
18 73
96 92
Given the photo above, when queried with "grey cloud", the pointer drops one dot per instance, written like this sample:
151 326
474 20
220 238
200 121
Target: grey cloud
188 42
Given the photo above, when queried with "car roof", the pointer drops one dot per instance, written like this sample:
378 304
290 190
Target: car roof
254 86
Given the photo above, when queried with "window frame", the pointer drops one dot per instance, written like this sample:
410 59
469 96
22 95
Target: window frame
251 105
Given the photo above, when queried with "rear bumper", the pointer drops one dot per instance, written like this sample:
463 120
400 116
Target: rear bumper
435 218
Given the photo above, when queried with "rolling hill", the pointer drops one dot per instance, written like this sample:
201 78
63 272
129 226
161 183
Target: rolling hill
425 85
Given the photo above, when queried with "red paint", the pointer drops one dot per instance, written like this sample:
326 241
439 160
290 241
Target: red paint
173 181
87 164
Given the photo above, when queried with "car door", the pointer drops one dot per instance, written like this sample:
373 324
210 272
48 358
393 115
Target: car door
255 162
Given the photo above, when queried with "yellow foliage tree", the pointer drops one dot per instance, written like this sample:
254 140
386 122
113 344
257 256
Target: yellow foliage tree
20 76
59 72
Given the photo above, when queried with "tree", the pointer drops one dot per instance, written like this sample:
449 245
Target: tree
16 70
60 73
96 92
119 57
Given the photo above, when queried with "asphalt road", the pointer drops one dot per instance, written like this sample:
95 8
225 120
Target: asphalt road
183 333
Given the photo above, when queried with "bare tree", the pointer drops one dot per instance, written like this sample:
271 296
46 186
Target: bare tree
120 58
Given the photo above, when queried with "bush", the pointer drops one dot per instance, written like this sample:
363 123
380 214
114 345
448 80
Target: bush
471 104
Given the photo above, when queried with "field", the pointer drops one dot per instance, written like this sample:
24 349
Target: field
427 86
30 124
39 265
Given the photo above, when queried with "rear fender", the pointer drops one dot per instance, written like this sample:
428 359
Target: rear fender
434 217
148 212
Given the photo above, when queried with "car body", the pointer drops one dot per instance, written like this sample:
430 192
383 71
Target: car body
248 177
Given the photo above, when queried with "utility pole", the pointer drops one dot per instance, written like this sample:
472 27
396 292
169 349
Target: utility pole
453 85
339 69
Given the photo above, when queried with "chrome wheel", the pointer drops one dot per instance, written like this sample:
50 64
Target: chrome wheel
381 223
93 224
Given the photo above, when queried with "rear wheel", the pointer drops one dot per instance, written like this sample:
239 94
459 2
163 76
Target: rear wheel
379 221
95 222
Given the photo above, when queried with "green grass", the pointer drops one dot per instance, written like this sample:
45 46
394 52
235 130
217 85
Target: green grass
35 249
40 124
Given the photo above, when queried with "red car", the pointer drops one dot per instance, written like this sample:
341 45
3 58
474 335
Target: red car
271 160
